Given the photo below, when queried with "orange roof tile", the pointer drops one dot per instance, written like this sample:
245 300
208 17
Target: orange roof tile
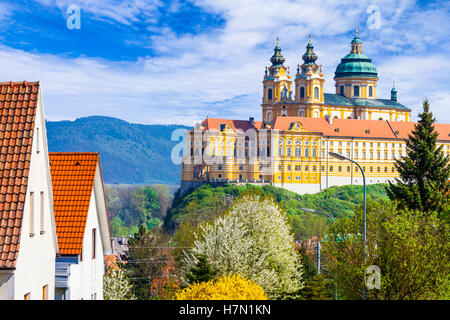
374 129
214 124
18 104
73 181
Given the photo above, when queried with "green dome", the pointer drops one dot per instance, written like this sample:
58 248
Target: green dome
277 59
356 65
356 40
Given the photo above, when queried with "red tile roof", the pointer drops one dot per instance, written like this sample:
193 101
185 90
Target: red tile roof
18 104
375 129
73 181
214 124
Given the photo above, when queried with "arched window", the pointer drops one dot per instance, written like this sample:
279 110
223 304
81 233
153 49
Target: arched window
269 116
316 114
380 118
269 94
302 92
316 93
301 113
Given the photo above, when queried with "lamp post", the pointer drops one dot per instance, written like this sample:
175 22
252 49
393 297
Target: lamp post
318 245
341 157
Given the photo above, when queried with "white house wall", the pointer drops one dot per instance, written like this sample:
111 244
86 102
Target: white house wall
35 264
86 277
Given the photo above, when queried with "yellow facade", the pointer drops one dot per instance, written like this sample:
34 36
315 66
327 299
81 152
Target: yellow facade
295 156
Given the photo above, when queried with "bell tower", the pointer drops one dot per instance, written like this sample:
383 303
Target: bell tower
309 85
277 94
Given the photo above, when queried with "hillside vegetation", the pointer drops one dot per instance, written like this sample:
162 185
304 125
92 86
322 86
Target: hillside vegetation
130 153
208 201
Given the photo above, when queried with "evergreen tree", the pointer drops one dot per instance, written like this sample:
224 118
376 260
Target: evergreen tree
424 171
316 288
202 271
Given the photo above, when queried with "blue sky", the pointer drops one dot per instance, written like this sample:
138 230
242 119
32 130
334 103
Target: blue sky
178 61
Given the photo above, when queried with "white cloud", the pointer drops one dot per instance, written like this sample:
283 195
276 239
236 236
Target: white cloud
219 73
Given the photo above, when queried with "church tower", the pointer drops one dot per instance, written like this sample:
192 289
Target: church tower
356 76
309 85
277 94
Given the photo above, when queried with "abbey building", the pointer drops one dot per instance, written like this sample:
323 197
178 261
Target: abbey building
301 124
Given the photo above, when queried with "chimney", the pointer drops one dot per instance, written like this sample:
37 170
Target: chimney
329 119
252 121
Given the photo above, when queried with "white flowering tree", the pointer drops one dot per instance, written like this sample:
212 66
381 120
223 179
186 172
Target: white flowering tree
252 239
116 286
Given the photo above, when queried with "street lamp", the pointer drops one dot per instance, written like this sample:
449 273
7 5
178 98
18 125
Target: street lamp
316 211
341 157
318 245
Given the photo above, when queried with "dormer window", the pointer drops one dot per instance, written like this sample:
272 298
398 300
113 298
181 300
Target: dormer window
356 91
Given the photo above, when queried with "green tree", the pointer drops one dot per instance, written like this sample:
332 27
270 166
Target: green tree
410 248
252 239
317 288
424 171
149 255
202 271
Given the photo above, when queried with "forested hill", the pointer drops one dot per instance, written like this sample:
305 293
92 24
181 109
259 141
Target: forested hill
130 153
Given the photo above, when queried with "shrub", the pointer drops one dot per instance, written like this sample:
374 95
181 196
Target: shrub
231 287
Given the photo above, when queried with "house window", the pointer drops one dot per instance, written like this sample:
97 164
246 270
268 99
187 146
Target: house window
27 296
279 152
31 214
370 91
302 92
289 151
45 292
42 212
306 152
342 90
331 168
37 140
316 93
306 168
220 167
314 152
356 91
269 94
94 240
